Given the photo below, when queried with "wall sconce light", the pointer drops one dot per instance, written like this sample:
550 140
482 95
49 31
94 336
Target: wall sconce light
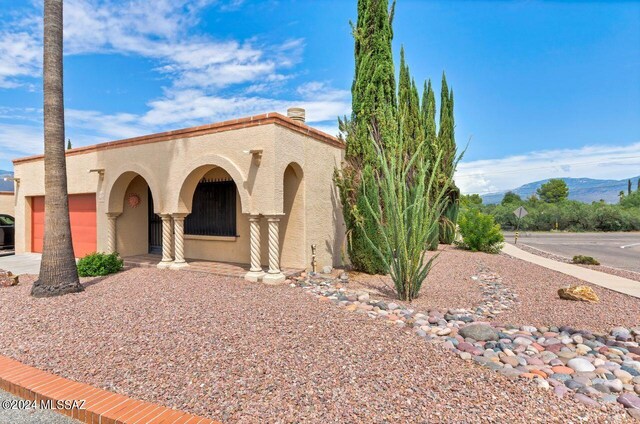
99 171
257 155
16 180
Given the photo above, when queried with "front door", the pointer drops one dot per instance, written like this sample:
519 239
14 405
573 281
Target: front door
155 228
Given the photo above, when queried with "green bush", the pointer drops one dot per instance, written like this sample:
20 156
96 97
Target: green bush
585 260
479 232
98 264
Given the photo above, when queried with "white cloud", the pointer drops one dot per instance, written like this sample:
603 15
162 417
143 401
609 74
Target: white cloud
20 139
601 161
21 57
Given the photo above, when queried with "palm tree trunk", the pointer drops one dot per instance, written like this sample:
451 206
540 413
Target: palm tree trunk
58 271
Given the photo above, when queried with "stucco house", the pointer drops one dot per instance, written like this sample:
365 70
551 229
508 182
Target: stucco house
256 190
6 203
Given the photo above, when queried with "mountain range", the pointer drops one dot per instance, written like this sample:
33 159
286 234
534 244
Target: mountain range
582 189
6 185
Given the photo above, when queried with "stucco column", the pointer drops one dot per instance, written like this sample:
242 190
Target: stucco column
167 260
178 225
274 275
255 272
112 246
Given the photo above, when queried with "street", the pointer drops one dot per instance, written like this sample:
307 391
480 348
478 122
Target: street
618 250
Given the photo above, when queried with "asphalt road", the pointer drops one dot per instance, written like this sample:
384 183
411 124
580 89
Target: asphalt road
14 415
618 250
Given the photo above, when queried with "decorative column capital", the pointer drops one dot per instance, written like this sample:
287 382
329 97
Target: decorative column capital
113 215
274 217
179 216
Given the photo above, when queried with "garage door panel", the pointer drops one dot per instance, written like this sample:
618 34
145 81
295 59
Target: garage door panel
82 213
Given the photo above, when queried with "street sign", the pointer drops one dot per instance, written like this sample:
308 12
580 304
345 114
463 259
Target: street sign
521 212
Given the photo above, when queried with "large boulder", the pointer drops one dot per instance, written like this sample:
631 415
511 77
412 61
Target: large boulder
479 332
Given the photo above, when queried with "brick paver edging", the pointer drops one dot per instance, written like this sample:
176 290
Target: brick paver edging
100 406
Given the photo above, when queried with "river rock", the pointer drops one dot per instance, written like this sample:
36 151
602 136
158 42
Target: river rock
580 365
479 332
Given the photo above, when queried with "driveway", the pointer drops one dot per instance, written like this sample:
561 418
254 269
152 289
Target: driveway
618 250
25 263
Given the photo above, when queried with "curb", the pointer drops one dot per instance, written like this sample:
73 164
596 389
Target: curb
100 406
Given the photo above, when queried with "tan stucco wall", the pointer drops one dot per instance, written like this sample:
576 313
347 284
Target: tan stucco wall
132 226
7 203
172 168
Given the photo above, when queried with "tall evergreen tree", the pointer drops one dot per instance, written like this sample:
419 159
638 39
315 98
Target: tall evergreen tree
447 147
629 187
374 86
429 113
374 100
409 109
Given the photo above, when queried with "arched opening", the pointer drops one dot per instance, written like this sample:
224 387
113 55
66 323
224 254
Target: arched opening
138 227
214 223
292 224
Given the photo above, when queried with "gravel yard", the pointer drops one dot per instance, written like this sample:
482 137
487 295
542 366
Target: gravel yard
244 352
450 286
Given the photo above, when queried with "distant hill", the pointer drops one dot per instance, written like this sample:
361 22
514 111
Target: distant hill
582 189
6 185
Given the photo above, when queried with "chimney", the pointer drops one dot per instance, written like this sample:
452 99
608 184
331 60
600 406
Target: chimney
296 113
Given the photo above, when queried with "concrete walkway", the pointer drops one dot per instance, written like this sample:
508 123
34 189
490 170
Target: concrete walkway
25 263
611 282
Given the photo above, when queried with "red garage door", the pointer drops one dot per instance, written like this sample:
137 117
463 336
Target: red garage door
82 210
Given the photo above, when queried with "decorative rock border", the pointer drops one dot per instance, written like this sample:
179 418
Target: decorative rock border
92 405
597 369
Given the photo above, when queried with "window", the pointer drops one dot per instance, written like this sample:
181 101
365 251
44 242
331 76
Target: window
6 220
214 209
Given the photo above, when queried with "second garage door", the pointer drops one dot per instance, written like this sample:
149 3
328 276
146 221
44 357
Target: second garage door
82 211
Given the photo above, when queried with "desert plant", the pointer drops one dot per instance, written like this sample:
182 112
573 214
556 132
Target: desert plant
410 204
585 260
479 232
99 264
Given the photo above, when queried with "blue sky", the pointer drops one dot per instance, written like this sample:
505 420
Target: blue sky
543 88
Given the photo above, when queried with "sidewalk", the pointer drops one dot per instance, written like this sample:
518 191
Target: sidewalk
611 282
25 263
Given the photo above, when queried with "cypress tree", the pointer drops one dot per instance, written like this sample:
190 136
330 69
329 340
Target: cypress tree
68 144
374 101
629 187
447 146
409 108
374 87
429 113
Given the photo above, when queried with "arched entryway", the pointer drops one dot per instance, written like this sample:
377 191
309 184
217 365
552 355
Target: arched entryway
214 222
292 223
132 211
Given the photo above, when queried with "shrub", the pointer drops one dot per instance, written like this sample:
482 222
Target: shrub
479 232
98 264
410 205
585 260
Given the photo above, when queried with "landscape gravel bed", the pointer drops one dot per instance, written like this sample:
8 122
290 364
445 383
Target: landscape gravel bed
537 289
595 368
245 352
602 268
448 286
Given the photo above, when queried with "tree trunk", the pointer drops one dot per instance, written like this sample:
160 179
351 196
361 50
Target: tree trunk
58 271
